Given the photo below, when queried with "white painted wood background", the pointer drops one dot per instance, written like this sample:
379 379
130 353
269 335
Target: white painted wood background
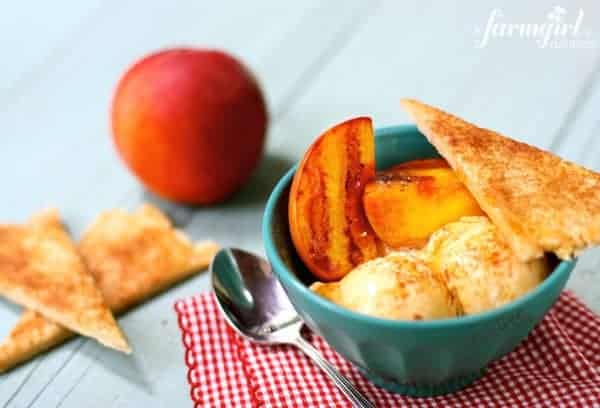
318 63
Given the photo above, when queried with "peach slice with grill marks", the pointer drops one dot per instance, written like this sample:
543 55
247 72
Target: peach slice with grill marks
408 202
328 225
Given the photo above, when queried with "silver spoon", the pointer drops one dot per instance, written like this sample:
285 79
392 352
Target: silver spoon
255 306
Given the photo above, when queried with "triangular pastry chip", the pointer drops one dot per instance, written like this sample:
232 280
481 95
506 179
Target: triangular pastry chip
41 270
132 257
30 336
539 202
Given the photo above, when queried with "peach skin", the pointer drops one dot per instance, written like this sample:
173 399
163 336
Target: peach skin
190 124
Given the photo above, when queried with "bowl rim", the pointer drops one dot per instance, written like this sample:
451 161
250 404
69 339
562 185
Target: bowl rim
283 273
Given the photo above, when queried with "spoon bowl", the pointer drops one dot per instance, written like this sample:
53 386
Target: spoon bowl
251 298
255 305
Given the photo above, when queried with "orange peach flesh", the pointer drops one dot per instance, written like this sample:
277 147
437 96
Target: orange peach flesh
327 222
410 201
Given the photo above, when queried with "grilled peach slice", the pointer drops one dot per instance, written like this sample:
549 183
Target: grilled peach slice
327 221
420 166
410 201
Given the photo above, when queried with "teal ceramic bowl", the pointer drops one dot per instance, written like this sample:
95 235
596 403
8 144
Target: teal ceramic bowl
422 358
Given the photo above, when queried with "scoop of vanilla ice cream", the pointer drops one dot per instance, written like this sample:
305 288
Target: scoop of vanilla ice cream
397 286
478 265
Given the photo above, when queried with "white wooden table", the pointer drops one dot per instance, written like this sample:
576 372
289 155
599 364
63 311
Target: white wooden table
318 63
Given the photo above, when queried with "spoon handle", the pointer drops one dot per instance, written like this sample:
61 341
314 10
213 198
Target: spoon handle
358 400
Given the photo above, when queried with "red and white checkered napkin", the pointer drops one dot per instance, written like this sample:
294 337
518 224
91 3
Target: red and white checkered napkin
557 365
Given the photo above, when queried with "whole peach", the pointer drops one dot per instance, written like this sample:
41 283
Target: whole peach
190 124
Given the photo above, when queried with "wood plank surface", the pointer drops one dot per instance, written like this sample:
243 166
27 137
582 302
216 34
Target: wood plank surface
318 63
